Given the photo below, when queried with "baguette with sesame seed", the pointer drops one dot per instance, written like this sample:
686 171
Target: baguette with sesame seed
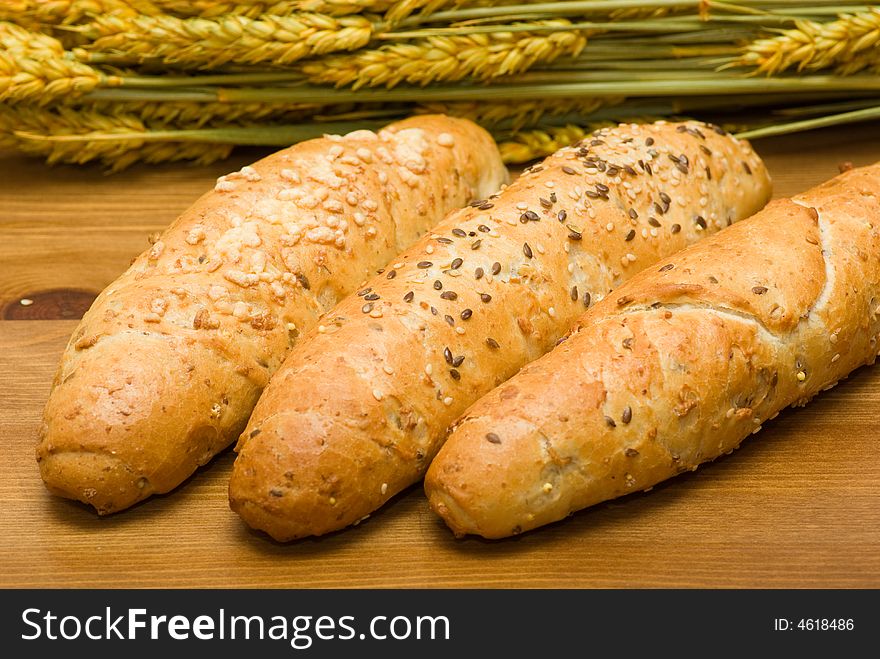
362 405
165 368
676 368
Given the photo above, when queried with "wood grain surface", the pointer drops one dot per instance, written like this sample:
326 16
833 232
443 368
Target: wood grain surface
797 506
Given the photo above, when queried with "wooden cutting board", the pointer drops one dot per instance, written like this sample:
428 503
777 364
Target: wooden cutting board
797 506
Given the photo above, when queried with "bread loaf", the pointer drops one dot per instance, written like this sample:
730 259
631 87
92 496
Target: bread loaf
678 367
362 405
165 368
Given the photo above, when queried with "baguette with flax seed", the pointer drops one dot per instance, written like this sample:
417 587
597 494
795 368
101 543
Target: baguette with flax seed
363 403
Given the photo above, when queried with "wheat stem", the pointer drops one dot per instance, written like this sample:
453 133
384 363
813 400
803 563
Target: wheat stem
855 116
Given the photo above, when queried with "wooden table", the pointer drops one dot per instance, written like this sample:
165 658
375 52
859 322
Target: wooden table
797 506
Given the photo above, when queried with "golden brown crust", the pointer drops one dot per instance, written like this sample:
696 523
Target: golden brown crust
678 367
165 368
361 406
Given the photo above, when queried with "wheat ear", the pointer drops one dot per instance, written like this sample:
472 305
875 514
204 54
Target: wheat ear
849 44
208 43
530 145
35 68
448 58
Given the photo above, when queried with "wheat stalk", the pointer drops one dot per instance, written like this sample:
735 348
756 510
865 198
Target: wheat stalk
25 131
343 7
517 115
208 43
68 12
196 115
448 58
525 146
849 43
402 9
530 145
35 68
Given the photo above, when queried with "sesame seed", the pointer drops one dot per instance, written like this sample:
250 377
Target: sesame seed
438 285
545 203
701 222
449 295
458 361
675 228
668 266
445 139
466 314
408 297
759 290
801 376
835 358
371 297
447 401
476 244
610 422
654 222
449 319
458 232
492 343
377 394
367 308
455 374
649 141
574 235
630 235
746 167
447 355
609 227
587 299
547 487
574 293
631 258
568 170
25 302
627 415
384 488
478 273
485 297
456 263
392 274
633 214
424 264
522 206
561 215
492 438
496 268
483 228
